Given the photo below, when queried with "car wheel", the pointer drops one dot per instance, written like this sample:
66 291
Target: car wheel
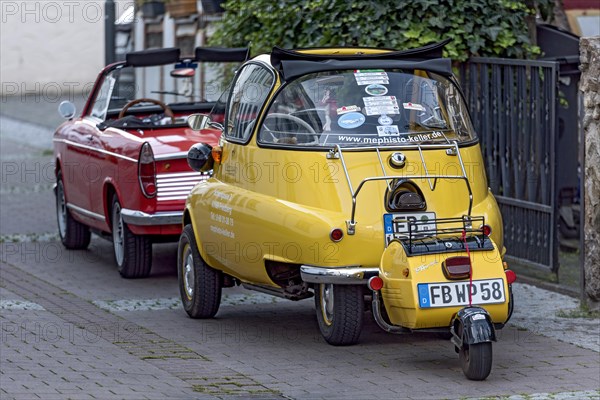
133 253
73 234
199 284
340 312
476 360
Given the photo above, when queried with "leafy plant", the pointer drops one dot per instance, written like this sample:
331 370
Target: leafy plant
492 28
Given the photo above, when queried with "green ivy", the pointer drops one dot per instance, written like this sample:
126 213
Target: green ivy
484 28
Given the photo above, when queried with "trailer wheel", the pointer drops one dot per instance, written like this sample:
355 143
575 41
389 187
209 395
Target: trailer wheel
476 360
340 311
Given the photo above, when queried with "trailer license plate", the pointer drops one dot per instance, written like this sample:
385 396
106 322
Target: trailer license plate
450 294
396 225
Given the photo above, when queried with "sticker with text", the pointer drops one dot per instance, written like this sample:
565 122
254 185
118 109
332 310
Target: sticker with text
385 120
369 77
351 120
380 105
413 106
347 109
376 89
389 130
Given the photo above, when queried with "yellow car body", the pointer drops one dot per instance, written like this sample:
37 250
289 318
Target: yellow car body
289 214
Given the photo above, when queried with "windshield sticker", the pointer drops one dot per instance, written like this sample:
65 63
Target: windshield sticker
371 81
351 120
381 101
380 105
385 120
369 77
382 140
380 110
347 109
390 130
376 89
413 106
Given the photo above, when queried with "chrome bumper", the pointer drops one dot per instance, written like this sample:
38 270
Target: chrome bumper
340 276
135 217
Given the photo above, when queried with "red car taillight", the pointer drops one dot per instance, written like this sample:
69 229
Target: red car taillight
457 268
147 171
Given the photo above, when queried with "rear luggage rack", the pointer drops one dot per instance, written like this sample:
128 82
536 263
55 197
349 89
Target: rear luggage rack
451 150
446 238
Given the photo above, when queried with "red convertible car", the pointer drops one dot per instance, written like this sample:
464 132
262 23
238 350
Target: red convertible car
121 168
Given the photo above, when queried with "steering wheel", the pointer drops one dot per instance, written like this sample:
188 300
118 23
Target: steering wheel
167 111
296 120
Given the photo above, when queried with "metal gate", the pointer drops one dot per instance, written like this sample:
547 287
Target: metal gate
513 104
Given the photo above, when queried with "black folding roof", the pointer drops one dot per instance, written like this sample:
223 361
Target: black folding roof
293 63
155 57
221 54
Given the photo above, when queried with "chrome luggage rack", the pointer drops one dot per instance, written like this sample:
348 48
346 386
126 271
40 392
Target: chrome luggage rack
448 238
451 150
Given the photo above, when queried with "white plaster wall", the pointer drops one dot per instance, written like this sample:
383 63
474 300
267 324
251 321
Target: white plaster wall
51 45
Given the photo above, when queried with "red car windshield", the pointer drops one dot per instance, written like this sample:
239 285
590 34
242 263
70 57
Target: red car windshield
374 107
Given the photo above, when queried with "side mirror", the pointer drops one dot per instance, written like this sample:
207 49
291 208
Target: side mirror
66 109
199 157
198 121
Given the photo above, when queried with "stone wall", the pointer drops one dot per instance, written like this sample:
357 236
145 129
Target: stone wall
590 86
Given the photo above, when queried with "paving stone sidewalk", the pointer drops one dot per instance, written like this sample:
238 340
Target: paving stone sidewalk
74 348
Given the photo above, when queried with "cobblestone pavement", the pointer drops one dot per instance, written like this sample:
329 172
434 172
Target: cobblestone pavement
70 327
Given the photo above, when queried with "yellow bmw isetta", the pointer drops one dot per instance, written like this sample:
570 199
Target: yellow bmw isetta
352 175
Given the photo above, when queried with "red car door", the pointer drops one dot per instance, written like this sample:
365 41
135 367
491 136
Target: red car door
75 167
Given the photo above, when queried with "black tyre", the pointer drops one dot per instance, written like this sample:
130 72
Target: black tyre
476 360
340 312
73 234
133 253
199 284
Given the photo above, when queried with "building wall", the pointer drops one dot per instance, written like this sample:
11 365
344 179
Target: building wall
590 87
51 46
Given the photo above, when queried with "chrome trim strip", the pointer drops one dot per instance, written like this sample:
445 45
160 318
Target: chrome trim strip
172 156
177 186
169 198
350 275
178 192
136 217
177 183
193 179
83 146
85 212
178 175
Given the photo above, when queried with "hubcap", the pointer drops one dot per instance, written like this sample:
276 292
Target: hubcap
61 210
118 234
188 272
327 303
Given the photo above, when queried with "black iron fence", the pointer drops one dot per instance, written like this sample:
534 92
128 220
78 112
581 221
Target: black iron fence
513 104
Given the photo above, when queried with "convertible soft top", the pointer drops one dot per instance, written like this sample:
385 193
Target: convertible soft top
221 54
294 63
155 57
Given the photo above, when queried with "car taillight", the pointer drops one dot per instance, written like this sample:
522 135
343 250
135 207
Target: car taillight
510 276
486 229
375 283
457 268
336 235
147 171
